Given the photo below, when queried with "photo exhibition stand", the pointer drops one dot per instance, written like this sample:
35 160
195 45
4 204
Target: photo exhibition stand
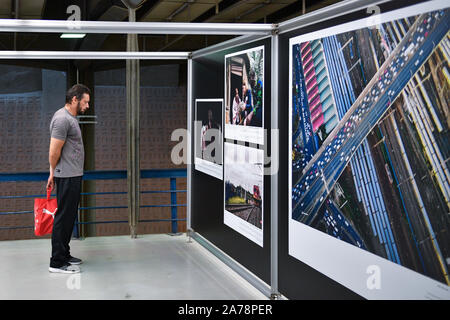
257 246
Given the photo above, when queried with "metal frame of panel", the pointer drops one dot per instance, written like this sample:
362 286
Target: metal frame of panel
110 27
99 55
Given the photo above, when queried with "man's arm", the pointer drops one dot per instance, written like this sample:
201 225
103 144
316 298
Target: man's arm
248 119
54 154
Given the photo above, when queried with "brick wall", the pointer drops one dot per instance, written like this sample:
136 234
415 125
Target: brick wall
163 109
24 140
23 146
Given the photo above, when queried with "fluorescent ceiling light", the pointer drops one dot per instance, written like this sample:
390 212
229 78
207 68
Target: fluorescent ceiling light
73 35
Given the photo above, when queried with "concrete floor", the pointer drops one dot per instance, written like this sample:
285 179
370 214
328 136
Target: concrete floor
150 267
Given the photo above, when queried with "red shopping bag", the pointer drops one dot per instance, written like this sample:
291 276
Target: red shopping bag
44 214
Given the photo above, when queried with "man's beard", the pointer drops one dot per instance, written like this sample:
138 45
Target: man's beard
79 108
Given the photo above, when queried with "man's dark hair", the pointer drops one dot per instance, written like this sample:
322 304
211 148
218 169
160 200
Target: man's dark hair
77 91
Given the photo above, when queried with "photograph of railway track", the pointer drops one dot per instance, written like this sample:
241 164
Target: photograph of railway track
243 187
370 148
244 95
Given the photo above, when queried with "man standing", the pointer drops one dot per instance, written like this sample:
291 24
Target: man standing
66 157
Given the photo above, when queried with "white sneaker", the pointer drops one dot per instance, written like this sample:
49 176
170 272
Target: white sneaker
68 268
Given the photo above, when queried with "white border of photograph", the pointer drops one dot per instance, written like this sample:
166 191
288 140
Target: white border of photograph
363 272
245 133
243 227
213 169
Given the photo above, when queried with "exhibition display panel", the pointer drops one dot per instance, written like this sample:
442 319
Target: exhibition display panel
233 213
362 110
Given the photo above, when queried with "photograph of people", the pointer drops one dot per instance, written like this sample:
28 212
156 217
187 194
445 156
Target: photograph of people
244 92
209 136
206 140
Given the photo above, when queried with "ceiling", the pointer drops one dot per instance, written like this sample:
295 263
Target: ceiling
213 11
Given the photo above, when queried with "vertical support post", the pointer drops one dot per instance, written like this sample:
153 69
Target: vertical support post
173 202
16 16
189 145
133 168
86 76
71 79
274 294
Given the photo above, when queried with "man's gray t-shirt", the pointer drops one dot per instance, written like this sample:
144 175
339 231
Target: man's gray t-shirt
64 126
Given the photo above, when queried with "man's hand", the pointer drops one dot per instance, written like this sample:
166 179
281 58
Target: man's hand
50 182
248 119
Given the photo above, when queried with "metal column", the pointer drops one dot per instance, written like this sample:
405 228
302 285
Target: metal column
88 131
274 294
133 168
189 149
